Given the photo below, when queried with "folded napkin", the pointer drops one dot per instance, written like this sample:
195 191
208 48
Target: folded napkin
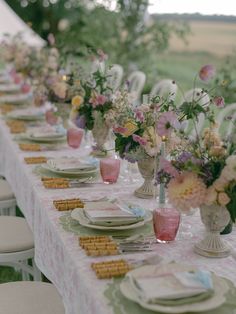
107 213
173 288
45 132
27 112
70 164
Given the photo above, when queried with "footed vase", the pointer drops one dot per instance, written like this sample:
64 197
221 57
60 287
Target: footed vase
146 168
215 218
100 133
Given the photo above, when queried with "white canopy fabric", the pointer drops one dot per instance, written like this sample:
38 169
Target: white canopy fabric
11 23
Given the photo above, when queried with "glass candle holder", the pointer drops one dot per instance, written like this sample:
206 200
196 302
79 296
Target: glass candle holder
166 222
109 169
74 137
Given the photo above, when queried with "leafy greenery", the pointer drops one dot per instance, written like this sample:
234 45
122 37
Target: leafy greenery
127 33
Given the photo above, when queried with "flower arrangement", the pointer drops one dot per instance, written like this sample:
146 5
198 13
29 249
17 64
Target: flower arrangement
94 99
202 171
139 130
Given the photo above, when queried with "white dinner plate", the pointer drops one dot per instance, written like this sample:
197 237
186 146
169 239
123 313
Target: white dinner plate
45 139
78 214
220 289
70 173
70 164
15 98
9 88
29 117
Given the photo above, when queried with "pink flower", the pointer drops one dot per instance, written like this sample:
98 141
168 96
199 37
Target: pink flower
207 72
167 167
120 130
219 101
97 100
186 191
139 139
51 39
166 123
139 115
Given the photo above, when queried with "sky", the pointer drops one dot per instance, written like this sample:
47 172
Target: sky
206 7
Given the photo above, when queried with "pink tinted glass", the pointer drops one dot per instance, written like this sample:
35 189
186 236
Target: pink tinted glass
74 137
166 223
110 169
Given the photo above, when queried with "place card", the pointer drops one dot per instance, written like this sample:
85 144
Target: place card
55 183
99 246
35 160
17 129
5 108
68 204
109 269
30 147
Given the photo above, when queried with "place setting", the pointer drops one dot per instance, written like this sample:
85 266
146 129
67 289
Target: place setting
26 114
171 287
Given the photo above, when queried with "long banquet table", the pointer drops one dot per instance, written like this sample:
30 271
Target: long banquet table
57 252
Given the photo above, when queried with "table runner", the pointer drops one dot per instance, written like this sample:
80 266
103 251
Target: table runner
57 253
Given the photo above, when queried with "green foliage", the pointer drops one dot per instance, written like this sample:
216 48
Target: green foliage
127 34
226 79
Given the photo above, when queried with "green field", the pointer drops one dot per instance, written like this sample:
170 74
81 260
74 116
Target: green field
209 43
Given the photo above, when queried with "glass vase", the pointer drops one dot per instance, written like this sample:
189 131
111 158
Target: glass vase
100 133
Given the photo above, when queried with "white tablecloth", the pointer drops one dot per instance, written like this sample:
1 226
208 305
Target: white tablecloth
57 252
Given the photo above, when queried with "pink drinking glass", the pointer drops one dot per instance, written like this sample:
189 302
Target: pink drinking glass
166 223
109 169
74 137
51 117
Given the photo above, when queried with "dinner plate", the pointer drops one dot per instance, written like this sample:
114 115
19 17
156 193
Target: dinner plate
72 163
9 88
70 173
15 98
46 139
78 214
220 289
28 117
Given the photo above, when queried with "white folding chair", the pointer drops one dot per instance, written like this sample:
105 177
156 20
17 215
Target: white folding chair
115 75
165 88
229 110
27 297
17 246
97 65
203 99
7 199
136 81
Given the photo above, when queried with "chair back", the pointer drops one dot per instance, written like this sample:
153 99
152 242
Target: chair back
136 81
115 75
229 110
165 88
